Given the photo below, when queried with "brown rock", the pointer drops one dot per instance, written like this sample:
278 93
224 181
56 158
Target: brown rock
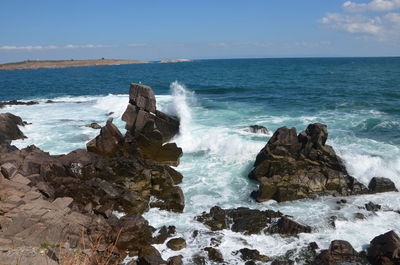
385 249
9 127
143 97
176 243
214 254
340 252
108 142
292 167
381 185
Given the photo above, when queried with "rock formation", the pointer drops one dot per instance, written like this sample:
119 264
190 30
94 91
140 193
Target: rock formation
63 201
385 249
292 167
249 221
340 252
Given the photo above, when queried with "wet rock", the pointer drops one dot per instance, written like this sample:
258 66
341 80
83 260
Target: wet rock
287 227
199 260
249 221
9 127
252 255
257 129
381 185
16 102
93 125
385 249
163 234
133 233
359 216
176 243
340 252
292 167
108 142
150 256
372 207
214 254
175 260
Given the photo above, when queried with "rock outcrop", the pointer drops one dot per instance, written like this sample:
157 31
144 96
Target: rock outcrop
257 129
385 249
151 128
70 202
9 129
340 252
250 221
377 185
16 102
292 167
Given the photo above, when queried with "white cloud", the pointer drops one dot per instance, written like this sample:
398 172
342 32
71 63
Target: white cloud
373 6
383 28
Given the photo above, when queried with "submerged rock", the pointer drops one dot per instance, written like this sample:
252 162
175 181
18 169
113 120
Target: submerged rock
247 254
385 249
292 167
249 221
372 207
214 254
93 125
257 129
16 102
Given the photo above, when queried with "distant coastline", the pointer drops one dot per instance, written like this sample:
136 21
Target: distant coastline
37 64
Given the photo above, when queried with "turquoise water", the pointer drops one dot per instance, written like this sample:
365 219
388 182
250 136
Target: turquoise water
358 98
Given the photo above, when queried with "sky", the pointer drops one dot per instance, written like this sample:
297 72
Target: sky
206 29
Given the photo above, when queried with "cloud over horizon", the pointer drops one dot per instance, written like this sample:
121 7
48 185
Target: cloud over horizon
381 27
51 47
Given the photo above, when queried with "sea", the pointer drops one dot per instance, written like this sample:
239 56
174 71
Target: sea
216 100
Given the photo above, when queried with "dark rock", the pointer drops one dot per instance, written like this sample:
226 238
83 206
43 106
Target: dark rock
340 252
143 97
16 102
385 249
176 243
133 233
150 256
372 207
163 234
359 216
199 260
93 125
249 221
252 254
9 127
108 142
214 254
381 185
287 227
292 167
175 260
257 129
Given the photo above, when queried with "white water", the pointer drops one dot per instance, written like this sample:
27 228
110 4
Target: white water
218 154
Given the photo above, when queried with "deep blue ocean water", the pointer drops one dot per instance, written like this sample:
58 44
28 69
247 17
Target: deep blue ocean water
358 98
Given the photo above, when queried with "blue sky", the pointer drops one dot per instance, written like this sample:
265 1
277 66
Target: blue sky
161 29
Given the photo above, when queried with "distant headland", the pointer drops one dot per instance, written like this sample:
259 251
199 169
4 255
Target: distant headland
37 64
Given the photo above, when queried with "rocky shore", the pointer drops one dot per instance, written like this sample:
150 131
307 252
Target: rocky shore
86 207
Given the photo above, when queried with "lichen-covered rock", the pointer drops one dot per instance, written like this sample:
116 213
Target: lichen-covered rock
292 167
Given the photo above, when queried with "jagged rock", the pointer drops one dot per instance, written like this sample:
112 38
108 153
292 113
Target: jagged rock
340 252
372 207
108 142
198 260
249 221
141 113
214 254
252 255
381 185
9 127
163 234
133 233
292 167
257 129
385 249
287 227
176 243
